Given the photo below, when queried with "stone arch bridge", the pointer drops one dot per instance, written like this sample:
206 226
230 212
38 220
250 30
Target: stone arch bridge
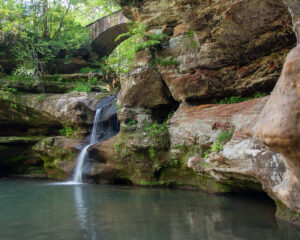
104 32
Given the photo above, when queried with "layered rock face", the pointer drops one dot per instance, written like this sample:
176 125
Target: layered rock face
215 49
29 118
221 47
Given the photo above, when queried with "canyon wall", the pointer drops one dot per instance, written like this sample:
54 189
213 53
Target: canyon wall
173 133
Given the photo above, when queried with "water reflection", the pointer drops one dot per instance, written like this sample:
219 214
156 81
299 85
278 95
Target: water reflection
38 211
82 214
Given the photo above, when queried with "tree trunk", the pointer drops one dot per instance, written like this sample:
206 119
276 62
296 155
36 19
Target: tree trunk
45 12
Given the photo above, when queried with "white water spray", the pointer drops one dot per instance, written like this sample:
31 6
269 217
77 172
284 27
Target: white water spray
80 161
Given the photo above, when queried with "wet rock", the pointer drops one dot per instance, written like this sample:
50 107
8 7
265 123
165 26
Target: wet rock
16 156
100 165
59 155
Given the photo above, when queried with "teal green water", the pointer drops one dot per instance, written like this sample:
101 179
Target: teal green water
37 210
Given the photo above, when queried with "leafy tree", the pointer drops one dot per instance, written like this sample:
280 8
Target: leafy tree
91 10
37 31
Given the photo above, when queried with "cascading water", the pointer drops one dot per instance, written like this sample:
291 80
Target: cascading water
80 161
106 125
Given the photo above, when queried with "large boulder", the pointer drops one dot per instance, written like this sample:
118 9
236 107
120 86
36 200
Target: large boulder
143 86
279 127
100 165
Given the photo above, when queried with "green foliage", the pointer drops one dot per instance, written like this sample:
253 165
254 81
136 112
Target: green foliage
165 62
92 10
83 86
147 41
44 141
259 95
35 170
131 122
41 98
23 73
225 136
217 146
89 70
58 78
191 43
190 33
156 131
118 106
11 90
123 56
152 152
69 132
36 33
237 99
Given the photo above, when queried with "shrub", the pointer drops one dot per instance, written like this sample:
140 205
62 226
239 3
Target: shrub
165 62
41 98
225 136
237 99
86 86
23 73
217 146
89 70
69 132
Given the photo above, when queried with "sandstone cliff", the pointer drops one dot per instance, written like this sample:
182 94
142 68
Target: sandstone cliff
221 49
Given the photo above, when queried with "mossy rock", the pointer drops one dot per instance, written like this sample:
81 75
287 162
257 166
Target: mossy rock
59 155
186 177
286 214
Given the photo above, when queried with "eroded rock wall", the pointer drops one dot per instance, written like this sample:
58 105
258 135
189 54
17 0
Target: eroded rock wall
221 47
215 49
28 119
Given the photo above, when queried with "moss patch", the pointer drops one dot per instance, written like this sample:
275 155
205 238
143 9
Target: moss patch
286 214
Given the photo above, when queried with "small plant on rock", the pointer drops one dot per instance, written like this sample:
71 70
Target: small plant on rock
69 132
89 70
225 136
217 146
165 62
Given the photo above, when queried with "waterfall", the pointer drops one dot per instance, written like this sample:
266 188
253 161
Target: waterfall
82 156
